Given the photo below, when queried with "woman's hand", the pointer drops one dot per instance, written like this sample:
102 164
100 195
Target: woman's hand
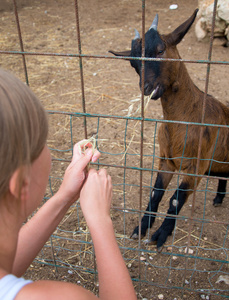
96 196
75 173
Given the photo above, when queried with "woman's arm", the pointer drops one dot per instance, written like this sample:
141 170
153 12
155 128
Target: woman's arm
34 234
114 279
95 199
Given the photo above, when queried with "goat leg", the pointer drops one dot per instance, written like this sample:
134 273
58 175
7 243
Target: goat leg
176 203
220 192
147 221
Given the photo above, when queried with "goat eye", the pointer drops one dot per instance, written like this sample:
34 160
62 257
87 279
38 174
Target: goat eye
160 52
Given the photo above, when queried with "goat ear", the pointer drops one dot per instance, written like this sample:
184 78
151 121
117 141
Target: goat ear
122 53
177 35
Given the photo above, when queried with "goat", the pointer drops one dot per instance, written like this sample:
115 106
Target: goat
181 100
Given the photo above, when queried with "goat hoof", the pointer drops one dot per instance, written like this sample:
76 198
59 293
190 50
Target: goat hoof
149 242
159 249
135 233
217 201
159 238
217 204
154 242
134 236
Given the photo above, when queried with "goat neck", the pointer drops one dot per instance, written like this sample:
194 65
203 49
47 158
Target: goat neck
181 99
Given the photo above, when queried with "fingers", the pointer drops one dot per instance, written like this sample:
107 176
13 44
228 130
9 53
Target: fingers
78 152
102 173
96 155
107 178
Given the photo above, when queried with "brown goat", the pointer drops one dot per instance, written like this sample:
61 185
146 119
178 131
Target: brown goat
181 101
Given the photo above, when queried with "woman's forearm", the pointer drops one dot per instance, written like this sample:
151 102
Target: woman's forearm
34 234
114 279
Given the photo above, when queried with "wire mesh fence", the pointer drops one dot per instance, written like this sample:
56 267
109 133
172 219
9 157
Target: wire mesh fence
58 50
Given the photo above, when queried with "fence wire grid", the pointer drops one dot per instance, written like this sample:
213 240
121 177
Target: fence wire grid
61 53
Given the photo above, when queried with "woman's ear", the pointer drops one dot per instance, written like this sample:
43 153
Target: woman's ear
19 183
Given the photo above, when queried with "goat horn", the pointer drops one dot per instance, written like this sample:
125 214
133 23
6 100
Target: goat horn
137 34
155 23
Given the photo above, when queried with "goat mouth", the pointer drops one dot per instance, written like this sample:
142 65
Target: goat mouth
154 94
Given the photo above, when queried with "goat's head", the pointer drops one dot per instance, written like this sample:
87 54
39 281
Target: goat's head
158 75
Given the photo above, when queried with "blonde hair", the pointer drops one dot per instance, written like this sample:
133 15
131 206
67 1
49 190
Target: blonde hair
23 127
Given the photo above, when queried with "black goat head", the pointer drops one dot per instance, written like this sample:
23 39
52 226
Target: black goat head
159 75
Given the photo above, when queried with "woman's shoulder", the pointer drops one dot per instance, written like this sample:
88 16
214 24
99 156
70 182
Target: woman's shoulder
48 290
10 285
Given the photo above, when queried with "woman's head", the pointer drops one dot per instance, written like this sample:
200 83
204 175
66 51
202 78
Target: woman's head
23 127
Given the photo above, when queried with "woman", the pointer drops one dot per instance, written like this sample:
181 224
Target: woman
25 165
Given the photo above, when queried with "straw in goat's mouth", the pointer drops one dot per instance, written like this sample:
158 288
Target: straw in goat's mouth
154 92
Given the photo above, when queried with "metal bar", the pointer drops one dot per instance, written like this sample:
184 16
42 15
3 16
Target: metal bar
149 170
201 61
141 137
21 41
77 114
203 116
179 217
81 66
200 136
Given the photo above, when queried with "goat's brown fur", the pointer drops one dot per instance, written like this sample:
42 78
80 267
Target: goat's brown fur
188 107
181 101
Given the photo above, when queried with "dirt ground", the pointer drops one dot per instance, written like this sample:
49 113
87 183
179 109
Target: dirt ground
112 89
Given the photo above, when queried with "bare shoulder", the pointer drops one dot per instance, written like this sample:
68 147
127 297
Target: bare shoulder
48 290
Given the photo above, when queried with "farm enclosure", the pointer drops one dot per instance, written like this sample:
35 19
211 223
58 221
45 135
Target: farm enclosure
110 107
